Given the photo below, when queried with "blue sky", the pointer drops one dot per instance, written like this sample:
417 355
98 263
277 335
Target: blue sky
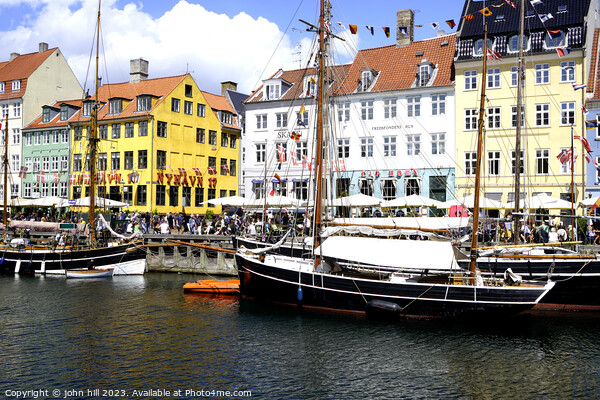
215 40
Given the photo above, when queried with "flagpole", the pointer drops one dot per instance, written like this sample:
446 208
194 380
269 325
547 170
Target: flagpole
517 196
5 164
573 175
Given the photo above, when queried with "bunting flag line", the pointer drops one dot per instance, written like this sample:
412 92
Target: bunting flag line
486 12
564 156
563 51
493 55
583 109
281 153
403 30
342 25
590 124
536 2
469 17
370 29
353 29
418 26
545 17
435 25
23 172
554 34
577 86
510 3
584 141
296 136
451 23
386 30
277 177
596 204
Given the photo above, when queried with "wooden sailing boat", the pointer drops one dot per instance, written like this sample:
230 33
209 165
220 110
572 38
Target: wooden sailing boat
123 258
357 274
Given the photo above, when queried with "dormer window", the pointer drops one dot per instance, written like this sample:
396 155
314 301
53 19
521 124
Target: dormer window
478 49
115 106
366 80
513 43
64 112
87 109
16 85
424 74
46 115
2 87
273 91
554 39
144 103
226 117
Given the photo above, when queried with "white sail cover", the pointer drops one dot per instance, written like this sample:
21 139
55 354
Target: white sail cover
390 253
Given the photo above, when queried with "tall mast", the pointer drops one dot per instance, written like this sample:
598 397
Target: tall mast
473 255
520 116
319 138
5 165
93 138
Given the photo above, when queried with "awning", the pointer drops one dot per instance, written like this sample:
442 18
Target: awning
296 180
257 181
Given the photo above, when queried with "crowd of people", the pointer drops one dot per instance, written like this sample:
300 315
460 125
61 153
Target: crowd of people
551 231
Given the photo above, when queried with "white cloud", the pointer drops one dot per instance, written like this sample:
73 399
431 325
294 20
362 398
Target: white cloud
214 47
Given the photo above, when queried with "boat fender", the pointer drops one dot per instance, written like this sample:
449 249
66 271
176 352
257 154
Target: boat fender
299 294
383 307
1 260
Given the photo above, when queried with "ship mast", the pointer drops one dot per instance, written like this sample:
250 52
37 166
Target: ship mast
473 254
5 165
93 140
520 118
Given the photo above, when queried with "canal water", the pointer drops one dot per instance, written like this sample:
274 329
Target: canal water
142 337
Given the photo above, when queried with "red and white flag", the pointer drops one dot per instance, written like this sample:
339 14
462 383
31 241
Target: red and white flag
23 172
281 153
212 170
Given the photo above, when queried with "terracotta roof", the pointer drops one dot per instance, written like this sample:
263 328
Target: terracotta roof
220 103
397 67
594 75
21 68
54 122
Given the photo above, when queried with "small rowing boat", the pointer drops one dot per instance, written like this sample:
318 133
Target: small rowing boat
212 286
89 273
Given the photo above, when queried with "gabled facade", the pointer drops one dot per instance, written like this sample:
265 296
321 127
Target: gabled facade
592 180
552 106
163 148
28 82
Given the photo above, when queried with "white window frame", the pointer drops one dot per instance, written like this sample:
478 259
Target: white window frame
438 104
470 163
413 144
493 78
471 119
366 147
542 113
413 106
567 71
438 143
389 146
542 74
366 109
494 118
493 158
390 108
567 113
470 80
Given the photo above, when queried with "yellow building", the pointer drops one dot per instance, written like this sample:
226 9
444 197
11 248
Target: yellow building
552 105
165 146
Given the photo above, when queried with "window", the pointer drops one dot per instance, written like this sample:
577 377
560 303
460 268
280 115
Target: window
15 162
513 166
493 77
438 143
389 146
28 139
365 186
261 121
424 74
64 163
55 138
87 110
5 113
144 103
281 120
542 114
301 150
258 189
115 160
226 117
413 145
161 159
27 190
175 105
343 146
173 196
478 48
160 195
224 167
143 128
301 190
233 141
470 119
161 129
141 195
103 132
54 164
199 197
201 110
438 104
212 137
115 106
64 189
366 110
116 131
212 163
64 136
542 161
188 107
188 91
16 136
273 91
16 85
232 167
37 138
224 139
344 111
494 121
142 159
302 119
366 147
567 71
261 152
36 163
493 163
76 163
389 108
54 189
388 189
44 191
567 113
513 116
128 158
470 80
470 162
413 106
514 76
186 196
77 133
542 74
513 43
64 112
46 137
2 87
554 40
200 135
366 78
128 129
17 109
102 161
310 86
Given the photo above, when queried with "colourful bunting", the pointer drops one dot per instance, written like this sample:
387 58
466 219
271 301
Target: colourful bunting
536 2
386 30
554 34
353 29
296 136
545 17
583 109
584 141
418 26
563 51
577 86
435 25
469 17
493 55
510 3
370 29
403 30
486 12
451 23
302 110
590 125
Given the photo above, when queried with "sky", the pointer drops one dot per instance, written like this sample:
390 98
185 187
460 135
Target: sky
244 41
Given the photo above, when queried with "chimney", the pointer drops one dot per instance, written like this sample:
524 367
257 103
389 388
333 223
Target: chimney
405 19
43 47
228 85
13 56
138 70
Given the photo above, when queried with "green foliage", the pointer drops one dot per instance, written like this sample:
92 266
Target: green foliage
210 215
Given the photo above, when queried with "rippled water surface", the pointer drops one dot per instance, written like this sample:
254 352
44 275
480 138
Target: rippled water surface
143 333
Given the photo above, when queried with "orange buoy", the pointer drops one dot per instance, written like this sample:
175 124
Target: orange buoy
213 286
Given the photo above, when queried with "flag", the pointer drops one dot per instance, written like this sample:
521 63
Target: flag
281 153
370 29
584 141
386 30
435 25
342 165
418 26
57 177
486 12
577 86
277 177
510 3
342 25
493 55
353 29
302 110
403 30
451 23
182 172
554 34
536 2
294 160
72 179
596 204
469 17
40 176
296 136
590 124
197 171
545 17
564 156
212 170
334 166
23 172
563 51
305 162
583 109
301 123
225 168
272 192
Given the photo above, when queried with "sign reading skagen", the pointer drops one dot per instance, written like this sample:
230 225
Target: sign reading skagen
384 128
283 134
